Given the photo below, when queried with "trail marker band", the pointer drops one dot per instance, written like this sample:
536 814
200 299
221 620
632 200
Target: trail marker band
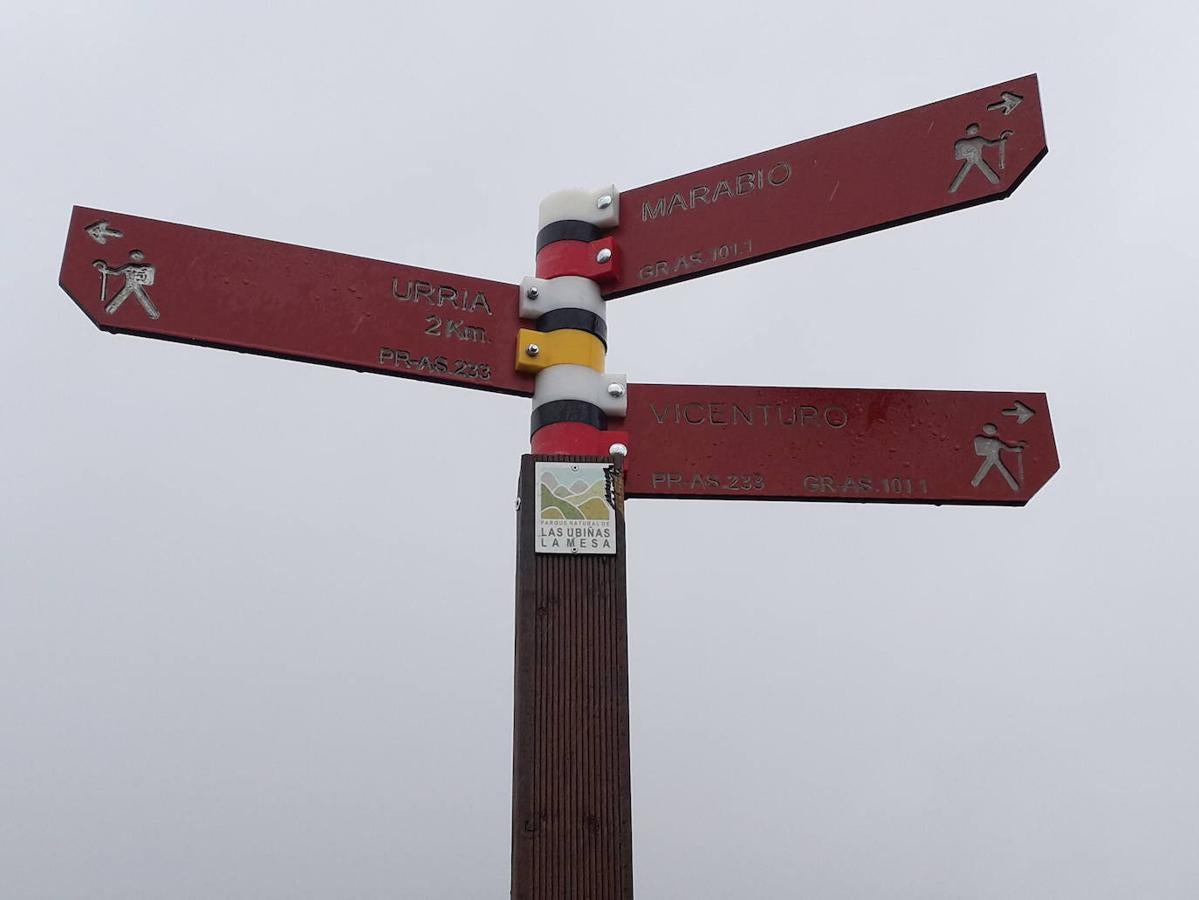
571 341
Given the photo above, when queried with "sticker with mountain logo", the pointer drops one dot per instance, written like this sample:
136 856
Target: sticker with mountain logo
574 508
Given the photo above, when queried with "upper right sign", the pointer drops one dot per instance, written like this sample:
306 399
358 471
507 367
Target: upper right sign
929 160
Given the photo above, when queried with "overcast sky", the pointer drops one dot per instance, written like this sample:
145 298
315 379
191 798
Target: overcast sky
256 617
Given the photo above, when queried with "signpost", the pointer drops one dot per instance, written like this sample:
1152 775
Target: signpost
597 439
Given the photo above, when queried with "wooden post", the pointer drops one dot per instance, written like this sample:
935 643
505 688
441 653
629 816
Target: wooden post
572 831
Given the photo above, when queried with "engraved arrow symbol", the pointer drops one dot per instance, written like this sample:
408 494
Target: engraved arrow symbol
100 232
1007 102
1021 412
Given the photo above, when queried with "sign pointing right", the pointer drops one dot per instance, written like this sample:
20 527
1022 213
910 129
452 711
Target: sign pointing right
930 160
777 443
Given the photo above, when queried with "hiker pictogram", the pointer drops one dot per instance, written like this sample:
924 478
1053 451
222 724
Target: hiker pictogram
138 276
990 448
970 151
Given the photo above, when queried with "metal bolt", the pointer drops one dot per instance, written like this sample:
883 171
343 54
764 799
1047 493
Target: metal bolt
616 389
532 293
603 202
603 256
532 350
618 450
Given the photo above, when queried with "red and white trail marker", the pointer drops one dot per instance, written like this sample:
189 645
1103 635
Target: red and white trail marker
156 279
923 162
773 443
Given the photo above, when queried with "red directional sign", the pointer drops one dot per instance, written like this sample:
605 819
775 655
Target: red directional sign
926 161
774 443
156 279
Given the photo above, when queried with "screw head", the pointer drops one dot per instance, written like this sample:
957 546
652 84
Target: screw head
532 293
618 450
616 389
532 350
603 202
603 256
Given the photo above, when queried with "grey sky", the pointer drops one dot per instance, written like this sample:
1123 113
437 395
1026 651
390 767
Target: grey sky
256 616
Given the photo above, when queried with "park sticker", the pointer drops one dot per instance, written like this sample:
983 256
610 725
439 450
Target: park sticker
575 513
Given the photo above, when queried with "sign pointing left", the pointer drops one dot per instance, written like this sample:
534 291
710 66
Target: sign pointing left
239 293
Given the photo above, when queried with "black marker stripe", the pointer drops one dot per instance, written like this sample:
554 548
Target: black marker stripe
557 411
578 319
568 230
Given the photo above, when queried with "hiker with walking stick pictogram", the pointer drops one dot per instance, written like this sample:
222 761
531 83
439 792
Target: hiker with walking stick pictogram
970 151
138 276
990 448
